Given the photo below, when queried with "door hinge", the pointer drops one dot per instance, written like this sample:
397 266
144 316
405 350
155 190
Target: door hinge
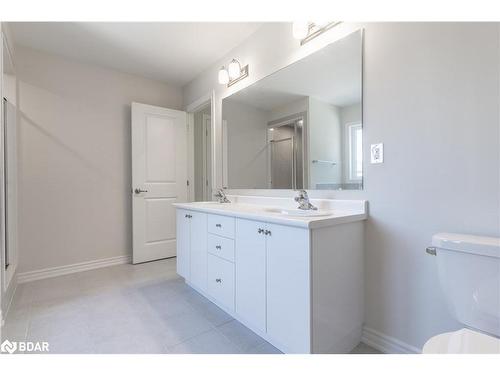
187 182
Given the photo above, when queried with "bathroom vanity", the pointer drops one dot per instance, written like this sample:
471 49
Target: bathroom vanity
293 277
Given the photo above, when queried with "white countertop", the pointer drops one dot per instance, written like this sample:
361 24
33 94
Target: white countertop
341 211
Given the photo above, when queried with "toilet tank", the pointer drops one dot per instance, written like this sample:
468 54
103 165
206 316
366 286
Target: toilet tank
469 272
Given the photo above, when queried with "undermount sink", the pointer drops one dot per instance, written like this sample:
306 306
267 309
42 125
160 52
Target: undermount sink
298 212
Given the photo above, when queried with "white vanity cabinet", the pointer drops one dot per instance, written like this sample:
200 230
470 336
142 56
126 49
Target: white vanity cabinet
272 282
299 286
288 287
192 247
250 255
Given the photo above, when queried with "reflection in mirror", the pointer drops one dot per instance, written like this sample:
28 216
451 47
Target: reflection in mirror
202 153
300 127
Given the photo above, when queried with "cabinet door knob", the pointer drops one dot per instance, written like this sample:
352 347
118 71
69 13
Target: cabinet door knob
218 225
267 232
218 247
260 230
218 280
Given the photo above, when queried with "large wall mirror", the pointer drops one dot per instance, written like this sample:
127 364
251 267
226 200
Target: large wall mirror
300 127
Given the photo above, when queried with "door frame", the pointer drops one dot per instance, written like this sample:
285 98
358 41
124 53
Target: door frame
206 156
208 98
287 120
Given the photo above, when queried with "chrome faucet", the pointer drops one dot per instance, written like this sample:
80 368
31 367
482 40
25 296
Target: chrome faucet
221 196
303 200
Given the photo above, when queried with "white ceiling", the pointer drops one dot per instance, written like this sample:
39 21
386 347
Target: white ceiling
333 75
167 51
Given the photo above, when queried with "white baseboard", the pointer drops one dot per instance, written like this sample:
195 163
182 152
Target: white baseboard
45 273
387 344
12 288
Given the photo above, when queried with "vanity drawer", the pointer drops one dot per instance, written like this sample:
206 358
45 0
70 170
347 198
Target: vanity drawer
221 280
221 225
221 246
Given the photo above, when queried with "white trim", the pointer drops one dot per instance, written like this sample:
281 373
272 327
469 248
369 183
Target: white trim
190 156
224 155
207 157
208 98
387 344
45 273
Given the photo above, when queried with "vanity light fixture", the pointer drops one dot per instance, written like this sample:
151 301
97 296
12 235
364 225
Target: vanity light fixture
300 29
307 31
234 73
223 76
234 69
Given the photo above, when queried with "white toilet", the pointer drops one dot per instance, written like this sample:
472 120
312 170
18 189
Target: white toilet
469 272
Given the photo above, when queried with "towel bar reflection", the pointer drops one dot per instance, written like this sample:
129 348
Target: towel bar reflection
331 162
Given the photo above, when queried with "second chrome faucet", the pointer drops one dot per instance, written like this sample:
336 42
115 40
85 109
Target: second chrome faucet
303 200
221 196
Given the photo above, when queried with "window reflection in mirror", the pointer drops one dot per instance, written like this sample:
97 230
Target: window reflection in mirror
300 127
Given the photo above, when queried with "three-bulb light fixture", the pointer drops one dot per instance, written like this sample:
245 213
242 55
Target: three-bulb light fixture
307 30
234 73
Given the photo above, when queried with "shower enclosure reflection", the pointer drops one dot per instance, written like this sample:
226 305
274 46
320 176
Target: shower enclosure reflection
285 143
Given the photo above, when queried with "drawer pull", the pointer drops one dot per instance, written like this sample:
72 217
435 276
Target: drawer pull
218 247
260 230
218 280
218 225
188 216
267 232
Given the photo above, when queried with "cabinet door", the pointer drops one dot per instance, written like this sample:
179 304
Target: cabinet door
198 240
250 259
183 244
288 288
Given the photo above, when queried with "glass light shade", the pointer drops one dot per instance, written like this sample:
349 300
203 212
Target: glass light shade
234 69
223 76
300 29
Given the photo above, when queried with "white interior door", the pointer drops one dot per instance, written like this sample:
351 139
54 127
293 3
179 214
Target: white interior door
159 179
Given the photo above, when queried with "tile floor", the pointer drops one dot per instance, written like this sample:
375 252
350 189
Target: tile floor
144 308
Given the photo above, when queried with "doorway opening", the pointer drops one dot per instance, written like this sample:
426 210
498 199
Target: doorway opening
201 160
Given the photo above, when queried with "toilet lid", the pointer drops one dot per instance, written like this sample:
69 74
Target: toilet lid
463 341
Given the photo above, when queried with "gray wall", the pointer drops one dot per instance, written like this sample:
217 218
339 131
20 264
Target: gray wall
75 175
247 147
431 94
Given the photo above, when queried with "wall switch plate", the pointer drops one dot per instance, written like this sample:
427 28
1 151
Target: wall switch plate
377 153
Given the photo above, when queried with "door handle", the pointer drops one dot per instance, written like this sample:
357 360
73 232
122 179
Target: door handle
139 191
